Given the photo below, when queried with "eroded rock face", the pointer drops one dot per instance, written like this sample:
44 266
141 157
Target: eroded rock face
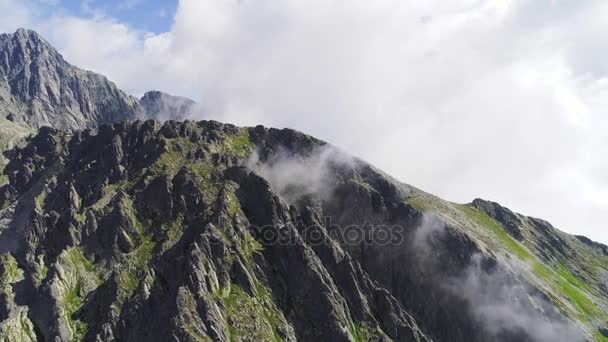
38 87
135 234
147 231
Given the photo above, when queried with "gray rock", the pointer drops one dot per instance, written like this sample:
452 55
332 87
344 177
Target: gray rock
161 107
40 88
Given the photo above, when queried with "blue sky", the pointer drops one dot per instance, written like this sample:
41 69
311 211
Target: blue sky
145 15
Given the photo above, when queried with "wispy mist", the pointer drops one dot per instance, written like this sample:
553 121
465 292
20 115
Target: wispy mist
501 301
161 107
296 176
504 304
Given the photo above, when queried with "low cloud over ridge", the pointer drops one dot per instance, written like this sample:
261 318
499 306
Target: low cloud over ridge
499 99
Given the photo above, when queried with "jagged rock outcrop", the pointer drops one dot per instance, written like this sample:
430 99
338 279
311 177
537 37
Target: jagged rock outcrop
134 234
178 231
501 214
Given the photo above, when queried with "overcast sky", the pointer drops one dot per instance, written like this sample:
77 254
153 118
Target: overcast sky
505 99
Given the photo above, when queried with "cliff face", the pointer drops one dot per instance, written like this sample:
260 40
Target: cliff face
191 231
39 88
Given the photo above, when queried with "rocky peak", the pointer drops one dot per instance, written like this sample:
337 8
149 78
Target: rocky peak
39 88
161 106
505 216
22 48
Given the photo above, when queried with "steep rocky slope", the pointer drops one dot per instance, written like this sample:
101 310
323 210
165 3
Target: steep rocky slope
39 88
206 231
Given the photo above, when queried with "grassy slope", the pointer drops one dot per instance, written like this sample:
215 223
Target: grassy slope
561 278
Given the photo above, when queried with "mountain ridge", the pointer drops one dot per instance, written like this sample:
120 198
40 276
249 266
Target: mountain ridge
184 230
41 88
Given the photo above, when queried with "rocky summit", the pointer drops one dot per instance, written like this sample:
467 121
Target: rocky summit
114 230
39 88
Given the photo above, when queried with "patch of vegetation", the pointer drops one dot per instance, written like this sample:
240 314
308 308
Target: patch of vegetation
173 232
78 276
172 160
484 220
256 317
203 171
558 276
239 145
420 204
17 328
363 332
12 274
175 158
572 288
134 270
41 199
44 271
251 246
108 193
599 337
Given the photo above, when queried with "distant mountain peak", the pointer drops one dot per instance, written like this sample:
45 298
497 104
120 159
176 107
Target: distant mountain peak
24 33
29 44
39 88
162 106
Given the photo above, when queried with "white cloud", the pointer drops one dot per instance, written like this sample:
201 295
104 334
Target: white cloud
500 99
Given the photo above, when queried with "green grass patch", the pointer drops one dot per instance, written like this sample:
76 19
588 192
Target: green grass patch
572 288
599 337
78 278
363 332
558 276
495 227
134 271
108 193
12 274
175 158
256 317
239 145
